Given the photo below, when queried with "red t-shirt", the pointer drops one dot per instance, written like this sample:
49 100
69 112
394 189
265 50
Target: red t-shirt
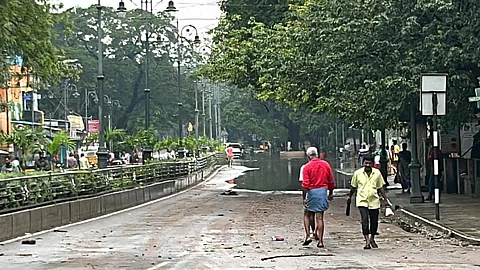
318 174
230 152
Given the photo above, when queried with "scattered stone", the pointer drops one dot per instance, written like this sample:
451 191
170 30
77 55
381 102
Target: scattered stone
60 231
29 242
1 254
221 215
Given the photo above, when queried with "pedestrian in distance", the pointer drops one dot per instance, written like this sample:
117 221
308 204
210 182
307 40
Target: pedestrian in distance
229 152
367 182
317 190
405 158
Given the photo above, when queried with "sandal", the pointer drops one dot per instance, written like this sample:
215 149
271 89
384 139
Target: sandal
320 245
367 246
307 241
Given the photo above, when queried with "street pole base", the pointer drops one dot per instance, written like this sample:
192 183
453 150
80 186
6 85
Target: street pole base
414 198
102 156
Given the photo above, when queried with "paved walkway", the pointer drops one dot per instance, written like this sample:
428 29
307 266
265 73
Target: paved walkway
459 213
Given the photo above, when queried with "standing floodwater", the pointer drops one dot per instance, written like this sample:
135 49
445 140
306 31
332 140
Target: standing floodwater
273 173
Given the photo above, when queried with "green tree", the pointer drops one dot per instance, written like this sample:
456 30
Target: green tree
124 64
54 145
341 56
112 135
26 31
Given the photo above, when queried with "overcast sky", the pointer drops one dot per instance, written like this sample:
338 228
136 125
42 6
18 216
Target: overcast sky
203 14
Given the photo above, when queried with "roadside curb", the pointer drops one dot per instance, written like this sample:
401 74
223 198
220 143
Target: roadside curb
449 232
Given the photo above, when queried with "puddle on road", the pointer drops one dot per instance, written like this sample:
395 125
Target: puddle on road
273 173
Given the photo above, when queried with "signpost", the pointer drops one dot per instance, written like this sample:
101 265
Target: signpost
433 102
476 98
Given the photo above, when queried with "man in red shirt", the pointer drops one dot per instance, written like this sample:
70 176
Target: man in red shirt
317 181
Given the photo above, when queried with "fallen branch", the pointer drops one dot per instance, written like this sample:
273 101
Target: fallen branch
295 255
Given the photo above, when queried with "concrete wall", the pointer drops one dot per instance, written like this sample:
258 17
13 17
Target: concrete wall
42 218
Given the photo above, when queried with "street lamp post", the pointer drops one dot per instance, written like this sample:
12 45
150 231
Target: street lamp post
102 153
210 114
416 195
197 112
204 116
111 104
171 8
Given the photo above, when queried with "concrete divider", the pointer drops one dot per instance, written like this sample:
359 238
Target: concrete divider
46 217
6 223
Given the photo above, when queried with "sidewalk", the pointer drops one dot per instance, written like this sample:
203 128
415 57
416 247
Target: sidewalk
459 214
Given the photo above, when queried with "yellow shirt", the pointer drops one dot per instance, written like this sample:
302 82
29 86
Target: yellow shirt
396 149
367 187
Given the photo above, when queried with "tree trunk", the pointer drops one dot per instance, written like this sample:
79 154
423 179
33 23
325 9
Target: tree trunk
122 120
294 135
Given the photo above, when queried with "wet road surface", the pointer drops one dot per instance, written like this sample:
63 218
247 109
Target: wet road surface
201 229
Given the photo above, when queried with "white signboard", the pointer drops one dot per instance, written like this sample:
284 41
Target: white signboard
434 84
426 103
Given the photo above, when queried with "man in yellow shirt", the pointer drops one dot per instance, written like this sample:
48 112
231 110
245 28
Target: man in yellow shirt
367 182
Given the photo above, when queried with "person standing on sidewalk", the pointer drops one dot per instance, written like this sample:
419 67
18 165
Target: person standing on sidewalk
229 152
318 185
367 182
405 157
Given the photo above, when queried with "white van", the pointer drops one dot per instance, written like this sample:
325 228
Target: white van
237 149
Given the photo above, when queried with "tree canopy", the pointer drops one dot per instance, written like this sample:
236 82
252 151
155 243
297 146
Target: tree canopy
125 65
360 60
26 31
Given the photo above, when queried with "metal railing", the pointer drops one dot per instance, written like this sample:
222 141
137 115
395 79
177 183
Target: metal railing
30 191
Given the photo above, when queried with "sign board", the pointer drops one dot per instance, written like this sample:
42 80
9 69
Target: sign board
476 98
93 126
469 134
473 99
449 141
434 85
76 122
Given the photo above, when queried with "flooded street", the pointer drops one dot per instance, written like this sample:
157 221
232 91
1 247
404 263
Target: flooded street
272 173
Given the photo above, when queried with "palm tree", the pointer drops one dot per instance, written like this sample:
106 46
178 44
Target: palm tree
54 145
112 135
27 140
